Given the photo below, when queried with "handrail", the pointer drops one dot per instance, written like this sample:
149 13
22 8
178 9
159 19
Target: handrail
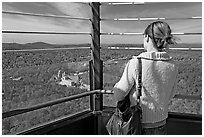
178 96
65 99
47 104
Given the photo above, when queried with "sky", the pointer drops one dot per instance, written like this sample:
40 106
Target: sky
147 9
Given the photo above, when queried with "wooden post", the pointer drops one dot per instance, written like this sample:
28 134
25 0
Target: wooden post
96 82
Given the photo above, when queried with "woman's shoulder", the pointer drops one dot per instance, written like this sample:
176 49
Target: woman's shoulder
134 59
164 57
133 62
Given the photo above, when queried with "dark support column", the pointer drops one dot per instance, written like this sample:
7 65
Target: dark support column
96 69
91 84
97 79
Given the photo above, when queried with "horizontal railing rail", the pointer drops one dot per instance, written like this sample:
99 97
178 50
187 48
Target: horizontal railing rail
46 49
141 48
43 15
73 97
191 97
122 3
88 33
102 19
45 32
140 33
47 104
148 18
71 48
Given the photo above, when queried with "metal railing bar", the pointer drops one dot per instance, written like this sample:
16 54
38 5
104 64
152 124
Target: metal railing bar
122 3
103 19
147 18
192 97
139 33
129 33
43 15
179 96
44 32
88 33
47 104
86 3
187 33
141 48
125 48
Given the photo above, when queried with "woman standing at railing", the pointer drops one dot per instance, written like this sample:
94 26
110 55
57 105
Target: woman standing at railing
159 74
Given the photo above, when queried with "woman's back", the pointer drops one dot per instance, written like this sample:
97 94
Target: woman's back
158 79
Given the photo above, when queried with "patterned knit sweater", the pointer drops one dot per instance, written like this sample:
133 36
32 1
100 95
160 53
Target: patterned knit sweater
159 74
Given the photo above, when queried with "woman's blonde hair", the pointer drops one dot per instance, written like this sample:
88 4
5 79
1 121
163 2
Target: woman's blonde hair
160 33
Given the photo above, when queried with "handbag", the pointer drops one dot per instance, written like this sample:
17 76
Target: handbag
126 120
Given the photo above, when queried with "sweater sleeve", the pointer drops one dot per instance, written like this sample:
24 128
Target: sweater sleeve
127 80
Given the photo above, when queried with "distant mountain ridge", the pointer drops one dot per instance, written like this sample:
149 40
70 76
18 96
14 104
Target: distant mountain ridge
43 45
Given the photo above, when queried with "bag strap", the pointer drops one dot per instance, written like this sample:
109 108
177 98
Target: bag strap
135 125
139 78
